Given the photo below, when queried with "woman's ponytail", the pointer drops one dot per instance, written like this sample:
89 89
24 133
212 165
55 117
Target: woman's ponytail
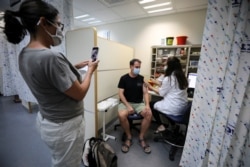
14 30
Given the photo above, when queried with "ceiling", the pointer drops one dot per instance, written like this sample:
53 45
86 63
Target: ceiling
111 11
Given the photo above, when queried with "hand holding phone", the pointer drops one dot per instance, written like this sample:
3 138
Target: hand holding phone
94 53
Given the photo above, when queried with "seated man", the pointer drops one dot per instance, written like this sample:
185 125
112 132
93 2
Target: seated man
131 92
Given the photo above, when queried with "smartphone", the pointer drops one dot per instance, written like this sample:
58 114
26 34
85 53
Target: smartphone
94 53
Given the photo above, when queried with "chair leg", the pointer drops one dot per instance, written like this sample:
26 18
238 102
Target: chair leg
124 136
172 152
133 125
172 138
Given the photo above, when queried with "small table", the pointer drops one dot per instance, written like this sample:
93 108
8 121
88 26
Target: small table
103 107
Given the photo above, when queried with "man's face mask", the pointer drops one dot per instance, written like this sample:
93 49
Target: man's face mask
136 71
58 37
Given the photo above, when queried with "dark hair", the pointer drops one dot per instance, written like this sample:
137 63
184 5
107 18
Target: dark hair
174 66
132 62
29 13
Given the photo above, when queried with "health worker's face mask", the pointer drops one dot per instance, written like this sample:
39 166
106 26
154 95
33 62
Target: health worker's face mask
165 67
58 37
136 71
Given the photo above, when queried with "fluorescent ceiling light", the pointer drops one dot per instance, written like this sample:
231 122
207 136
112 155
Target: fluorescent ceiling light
81 16
157 5
145 1
93 22
160 10
89 19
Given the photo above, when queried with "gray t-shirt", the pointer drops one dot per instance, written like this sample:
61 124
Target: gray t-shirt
48 75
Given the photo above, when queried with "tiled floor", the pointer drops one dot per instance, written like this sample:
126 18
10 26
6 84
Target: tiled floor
21 146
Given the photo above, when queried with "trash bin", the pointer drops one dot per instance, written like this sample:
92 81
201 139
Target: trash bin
181 40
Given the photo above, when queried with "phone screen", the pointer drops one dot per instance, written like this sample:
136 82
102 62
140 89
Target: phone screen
94 53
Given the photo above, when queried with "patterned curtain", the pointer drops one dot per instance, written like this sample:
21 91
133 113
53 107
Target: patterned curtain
13 82
218 132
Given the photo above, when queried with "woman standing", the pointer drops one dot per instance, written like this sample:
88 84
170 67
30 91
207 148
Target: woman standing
53 80
173 90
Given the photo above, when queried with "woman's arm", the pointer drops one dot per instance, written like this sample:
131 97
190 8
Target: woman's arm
79 90
156 82
150 87
81 64
166 86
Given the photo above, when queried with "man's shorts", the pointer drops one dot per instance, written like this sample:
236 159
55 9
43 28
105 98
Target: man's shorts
138 107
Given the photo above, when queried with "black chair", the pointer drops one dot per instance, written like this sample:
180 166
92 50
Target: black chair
133 125
175 137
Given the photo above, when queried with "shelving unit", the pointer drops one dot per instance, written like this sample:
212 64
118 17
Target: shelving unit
161 53
188 54
194 58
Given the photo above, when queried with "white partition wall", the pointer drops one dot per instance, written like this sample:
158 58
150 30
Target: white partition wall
79 44
114 62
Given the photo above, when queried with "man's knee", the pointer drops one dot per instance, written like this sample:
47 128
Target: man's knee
146 114
122 114
149 115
